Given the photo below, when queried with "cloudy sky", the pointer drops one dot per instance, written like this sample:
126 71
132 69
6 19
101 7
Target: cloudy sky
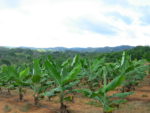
74 23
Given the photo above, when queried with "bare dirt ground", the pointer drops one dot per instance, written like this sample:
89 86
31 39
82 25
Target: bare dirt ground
137 103
140 101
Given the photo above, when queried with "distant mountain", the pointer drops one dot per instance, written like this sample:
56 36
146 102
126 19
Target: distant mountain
90 49
103 49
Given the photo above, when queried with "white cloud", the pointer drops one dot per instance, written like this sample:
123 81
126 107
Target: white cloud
139 2
49 23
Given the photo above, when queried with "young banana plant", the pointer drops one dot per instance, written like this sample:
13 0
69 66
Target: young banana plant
17 77
7 77
101 94
2 80
92 72
65 77
38 81
21 80
134 71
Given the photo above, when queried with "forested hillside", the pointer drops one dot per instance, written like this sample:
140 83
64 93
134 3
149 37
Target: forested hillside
24 55
138 52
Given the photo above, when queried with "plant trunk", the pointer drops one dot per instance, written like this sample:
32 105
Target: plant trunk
20 97
49 98
36 99
63 108
0 90
107 112
8 90
20 94
72 99
90 86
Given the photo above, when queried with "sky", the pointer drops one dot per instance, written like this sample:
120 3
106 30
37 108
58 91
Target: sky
74 23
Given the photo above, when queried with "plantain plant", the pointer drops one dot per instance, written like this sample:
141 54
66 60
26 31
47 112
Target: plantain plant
7 77
21 80
134 72
92 72
102 95
14 77
65 77
38 81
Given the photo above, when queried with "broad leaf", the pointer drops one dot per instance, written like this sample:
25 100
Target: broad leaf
86 92
119 101
72 75
122 95
36 67
53 72
75 60
36 78
24 73
114 83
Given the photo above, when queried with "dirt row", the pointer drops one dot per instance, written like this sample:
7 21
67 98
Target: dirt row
137 103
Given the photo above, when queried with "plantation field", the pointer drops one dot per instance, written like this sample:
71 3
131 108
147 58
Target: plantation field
76 85
137 103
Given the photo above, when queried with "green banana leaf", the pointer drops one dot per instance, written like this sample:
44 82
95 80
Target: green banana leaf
114 83
121 95
72 75
53 72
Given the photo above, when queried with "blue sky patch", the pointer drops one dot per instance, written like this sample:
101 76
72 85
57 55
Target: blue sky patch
117 2
99 27
145 18
12 3
123 18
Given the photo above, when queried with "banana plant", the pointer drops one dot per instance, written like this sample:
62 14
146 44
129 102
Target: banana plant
21 80
101 94
7 77
17 78
134 72
65 77
92 72
38 81
2 82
